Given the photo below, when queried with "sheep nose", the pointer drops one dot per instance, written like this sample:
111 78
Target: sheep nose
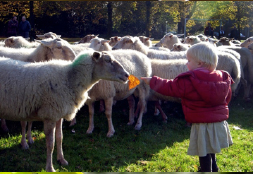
113 48
126 75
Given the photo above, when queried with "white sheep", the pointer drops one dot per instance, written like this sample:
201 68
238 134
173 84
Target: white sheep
49 35
49 49
100 44
180 47
247 64
18 42
192 40
168 41
87 38
146 41
50 91
114 40
135 63
247 42
135 44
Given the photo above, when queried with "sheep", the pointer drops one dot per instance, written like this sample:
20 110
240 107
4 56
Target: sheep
247 64
180 47
87 38
168 41
49 35
53 90
114 40
225 41
18 42
49 49
192 40
99 44
136 44
247 42
135 63
146 40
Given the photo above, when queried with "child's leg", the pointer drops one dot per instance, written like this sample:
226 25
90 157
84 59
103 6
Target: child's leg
214 165
205 163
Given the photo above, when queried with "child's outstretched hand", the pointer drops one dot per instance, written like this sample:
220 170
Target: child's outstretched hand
146 79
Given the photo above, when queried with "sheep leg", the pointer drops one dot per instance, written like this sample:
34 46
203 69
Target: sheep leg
156 109
4 126
131 104
49 130
59 137
137 110
158 106
246 92
108 113
101 106
29 133
73 122
91 119
142 104
23 139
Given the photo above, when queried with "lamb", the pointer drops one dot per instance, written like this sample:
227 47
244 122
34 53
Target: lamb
114 40
87 38
180 47
57 89
18 42
135 63
168 41
49 49
49 35
247 42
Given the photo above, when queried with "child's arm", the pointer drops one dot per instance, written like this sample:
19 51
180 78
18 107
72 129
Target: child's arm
174 88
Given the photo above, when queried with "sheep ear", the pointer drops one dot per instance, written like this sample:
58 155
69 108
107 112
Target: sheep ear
58 36
147 38
96 56
45 43
37 41
41 36
97 35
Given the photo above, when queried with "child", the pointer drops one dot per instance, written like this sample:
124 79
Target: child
205 94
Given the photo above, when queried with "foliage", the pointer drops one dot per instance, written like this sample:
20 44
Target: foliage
78 18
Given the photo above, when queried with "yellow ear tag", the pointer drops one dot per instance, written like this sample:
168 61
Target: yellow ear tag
133 81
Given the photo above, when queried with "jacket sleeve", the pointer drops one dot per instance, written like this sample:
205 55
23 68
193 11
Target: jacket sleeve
172 87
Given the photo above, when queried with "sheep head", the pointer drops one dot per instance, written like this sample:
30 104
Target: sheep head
58 49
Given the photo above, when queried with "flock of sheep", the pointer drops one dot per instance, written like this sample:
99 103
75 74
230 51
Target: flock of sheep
51 79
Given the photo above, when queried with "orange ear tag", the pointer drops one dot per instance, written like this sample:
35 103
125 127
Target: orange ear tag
133 81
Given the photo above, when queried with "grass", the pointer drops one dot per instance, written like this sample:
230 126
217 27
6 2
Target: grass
157 147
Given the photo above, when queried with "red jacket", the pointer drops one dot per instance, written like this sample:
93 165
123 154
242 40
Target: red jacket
205 95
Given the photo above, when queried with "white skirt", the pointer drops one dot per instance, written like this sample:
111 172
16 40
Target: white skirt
208 138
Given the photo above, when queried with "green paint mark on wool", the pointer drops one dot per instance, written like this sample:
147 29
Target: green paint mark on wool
79 59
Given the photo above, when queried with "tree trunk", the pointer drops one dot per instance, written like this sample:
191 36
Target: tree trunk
32 32
148 22
109 25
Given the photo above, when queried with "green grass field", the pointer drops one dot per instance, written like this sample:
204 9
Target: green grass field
157 147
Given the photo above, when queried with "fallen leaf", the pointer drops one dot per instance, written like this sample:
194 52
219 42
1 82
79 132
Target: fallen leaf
133 81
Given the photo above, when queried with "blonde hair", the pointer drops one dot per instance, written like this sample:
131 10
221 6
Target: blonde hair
204 52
